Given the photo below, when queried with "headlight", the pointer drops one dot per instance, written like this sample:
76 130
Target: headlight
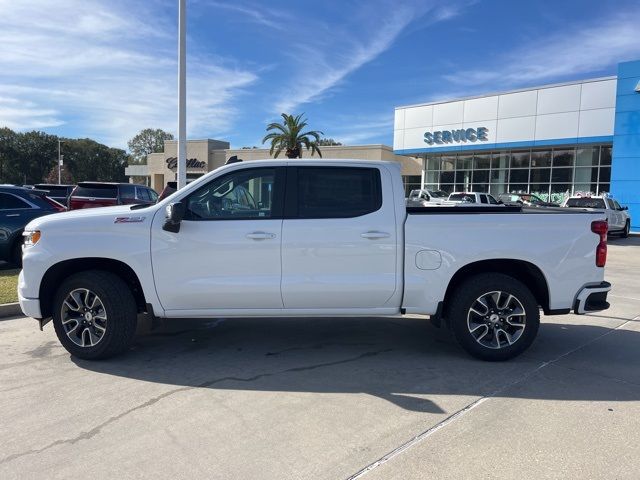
31 238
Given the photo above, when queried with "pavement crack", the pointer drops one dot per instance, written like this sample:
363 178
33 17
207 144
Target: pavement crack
86 435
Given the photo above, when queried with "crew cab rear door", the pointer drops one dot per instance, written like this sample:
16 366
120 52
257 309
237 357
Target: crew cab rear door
338 238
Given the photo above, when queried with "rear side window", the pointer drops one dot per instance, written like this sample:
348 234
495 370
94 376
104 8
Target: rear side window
483 199
337 192
96 191
142 194
586 202
11 202
127 192
462 197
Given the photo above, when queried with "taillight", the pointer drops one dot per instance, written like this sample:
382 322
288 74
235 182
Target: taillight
601 227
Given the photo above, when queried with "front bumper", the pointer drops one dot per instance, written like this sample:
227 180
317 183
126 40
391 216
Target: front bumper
30 306
592 298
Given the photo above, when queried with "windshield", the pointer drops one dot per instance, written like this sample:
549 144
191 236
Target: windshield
586 202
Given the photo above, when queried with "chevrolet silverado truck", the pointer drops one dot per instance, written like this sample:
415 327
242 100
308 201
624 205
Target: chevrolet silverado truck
300 238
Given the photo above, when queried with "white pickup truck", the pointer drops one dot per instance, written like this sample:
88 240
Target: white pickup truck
301 238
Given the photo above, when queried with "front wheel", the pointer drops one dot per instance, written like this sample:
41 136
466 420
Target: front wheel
627 229
493 316
94 315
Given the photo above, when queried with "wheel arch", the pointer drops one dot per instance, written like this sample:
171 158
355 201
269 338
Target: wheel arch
56 274
524 271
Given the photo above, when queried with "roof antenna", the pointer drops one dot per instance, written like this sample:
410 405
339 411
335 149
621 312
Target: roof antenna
233 159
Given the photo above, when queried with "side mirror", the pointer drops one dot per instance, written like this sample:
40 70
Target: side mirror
175 214
625 208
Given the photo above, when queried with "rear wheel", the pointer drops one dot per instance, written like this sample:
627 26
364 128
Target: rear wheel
94 315
493 316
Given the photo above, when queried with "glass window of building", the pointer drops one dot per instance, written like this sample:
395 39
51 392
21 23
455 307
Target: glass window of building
520 158
550 173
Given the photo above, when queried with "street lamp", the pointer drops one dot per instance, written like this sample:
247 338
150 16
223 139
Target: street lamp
182 94
59 163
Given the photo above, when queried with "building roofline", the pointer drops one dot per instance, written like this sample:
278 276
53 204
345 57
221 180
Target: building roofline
369 146
518 90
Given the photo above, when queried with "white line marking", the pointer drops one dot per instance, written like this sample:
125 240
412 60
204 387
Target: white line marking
460 413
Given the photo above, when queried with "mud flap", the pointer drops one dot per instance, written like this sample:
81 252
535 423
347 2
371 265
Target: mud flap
43 322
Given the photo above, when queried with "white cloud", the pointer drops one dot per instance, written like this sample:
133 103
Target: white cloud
105 71
327 54
575 50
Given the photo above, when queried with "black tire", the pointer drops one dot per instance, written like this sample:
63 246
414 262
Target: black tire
462 319
16 253
627 229
119 308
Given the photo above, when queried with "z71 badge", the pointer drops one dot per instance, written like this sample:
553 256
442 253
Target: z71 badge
129 219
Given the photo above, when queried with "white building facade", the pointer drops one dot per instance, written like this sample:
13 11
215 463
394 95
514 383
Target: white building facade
550 140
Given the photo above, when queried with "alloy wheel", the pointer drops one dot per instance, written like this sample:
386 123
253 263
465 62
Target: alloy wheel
84 317
496 319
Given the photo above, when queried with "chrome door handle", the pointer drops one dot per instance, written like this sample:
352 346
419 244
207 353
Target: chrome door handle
13 215
260 235
375 235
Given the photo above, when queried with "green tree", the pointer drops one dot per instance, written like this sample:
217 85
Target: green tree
328 142
8 153
87 159
288 136
34 155
147 141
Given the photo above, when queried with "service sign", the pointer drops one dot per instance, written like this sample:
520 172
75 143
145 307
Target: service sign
462 135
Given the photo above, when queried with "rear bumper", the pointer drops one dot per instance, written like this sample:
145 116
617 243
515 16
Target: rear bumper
30 306
592 298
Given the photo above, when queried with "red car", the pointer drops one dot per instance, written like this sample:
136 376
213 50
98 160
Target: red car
104 194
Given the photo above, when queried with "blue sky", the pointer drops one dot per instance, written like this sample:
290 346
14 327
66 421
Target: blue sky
107 68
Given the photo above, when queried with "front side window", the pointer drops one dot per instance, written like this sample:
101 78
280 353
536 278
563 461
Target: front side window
338 192
492 200
244 194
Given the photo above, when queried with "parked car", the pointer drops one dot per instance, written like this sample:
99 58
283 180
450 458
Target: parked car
472 197
527 199
104 194
425 198
342 243
59 192
18 206
168 190
617 216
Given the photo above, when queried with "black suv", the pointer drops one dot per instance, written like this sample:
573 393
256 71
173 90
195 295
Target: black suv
18 206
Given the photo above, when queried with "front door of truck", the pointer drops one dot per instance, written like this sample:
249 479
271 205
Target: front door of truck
227 252
339 238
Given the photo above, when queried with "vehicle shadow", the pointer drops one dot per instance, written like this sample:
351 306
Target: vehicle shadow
629 241
404 361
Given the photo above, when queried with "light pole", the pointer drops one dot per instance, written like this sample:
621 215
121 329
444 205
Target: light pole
59 163
182 94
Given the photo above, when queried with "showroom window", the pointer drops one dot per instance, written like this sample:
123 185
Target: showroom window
550 173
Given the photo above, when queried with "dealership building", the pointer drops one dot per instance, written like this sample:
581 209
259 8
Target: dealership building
206 155
551 140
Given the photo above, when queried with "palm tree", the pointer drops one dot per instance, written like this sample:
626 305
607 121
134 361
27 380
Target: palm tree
288 137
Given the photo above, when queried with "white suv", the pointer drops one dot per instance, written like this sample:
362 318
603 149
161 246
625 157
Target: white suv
618 217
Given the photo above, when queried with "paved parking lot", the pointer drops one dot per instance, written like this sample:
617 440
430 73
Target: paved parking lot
330 399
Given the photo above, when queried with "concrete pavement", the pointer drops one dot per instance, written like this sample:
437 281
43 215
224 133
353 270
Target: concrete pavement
330 398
